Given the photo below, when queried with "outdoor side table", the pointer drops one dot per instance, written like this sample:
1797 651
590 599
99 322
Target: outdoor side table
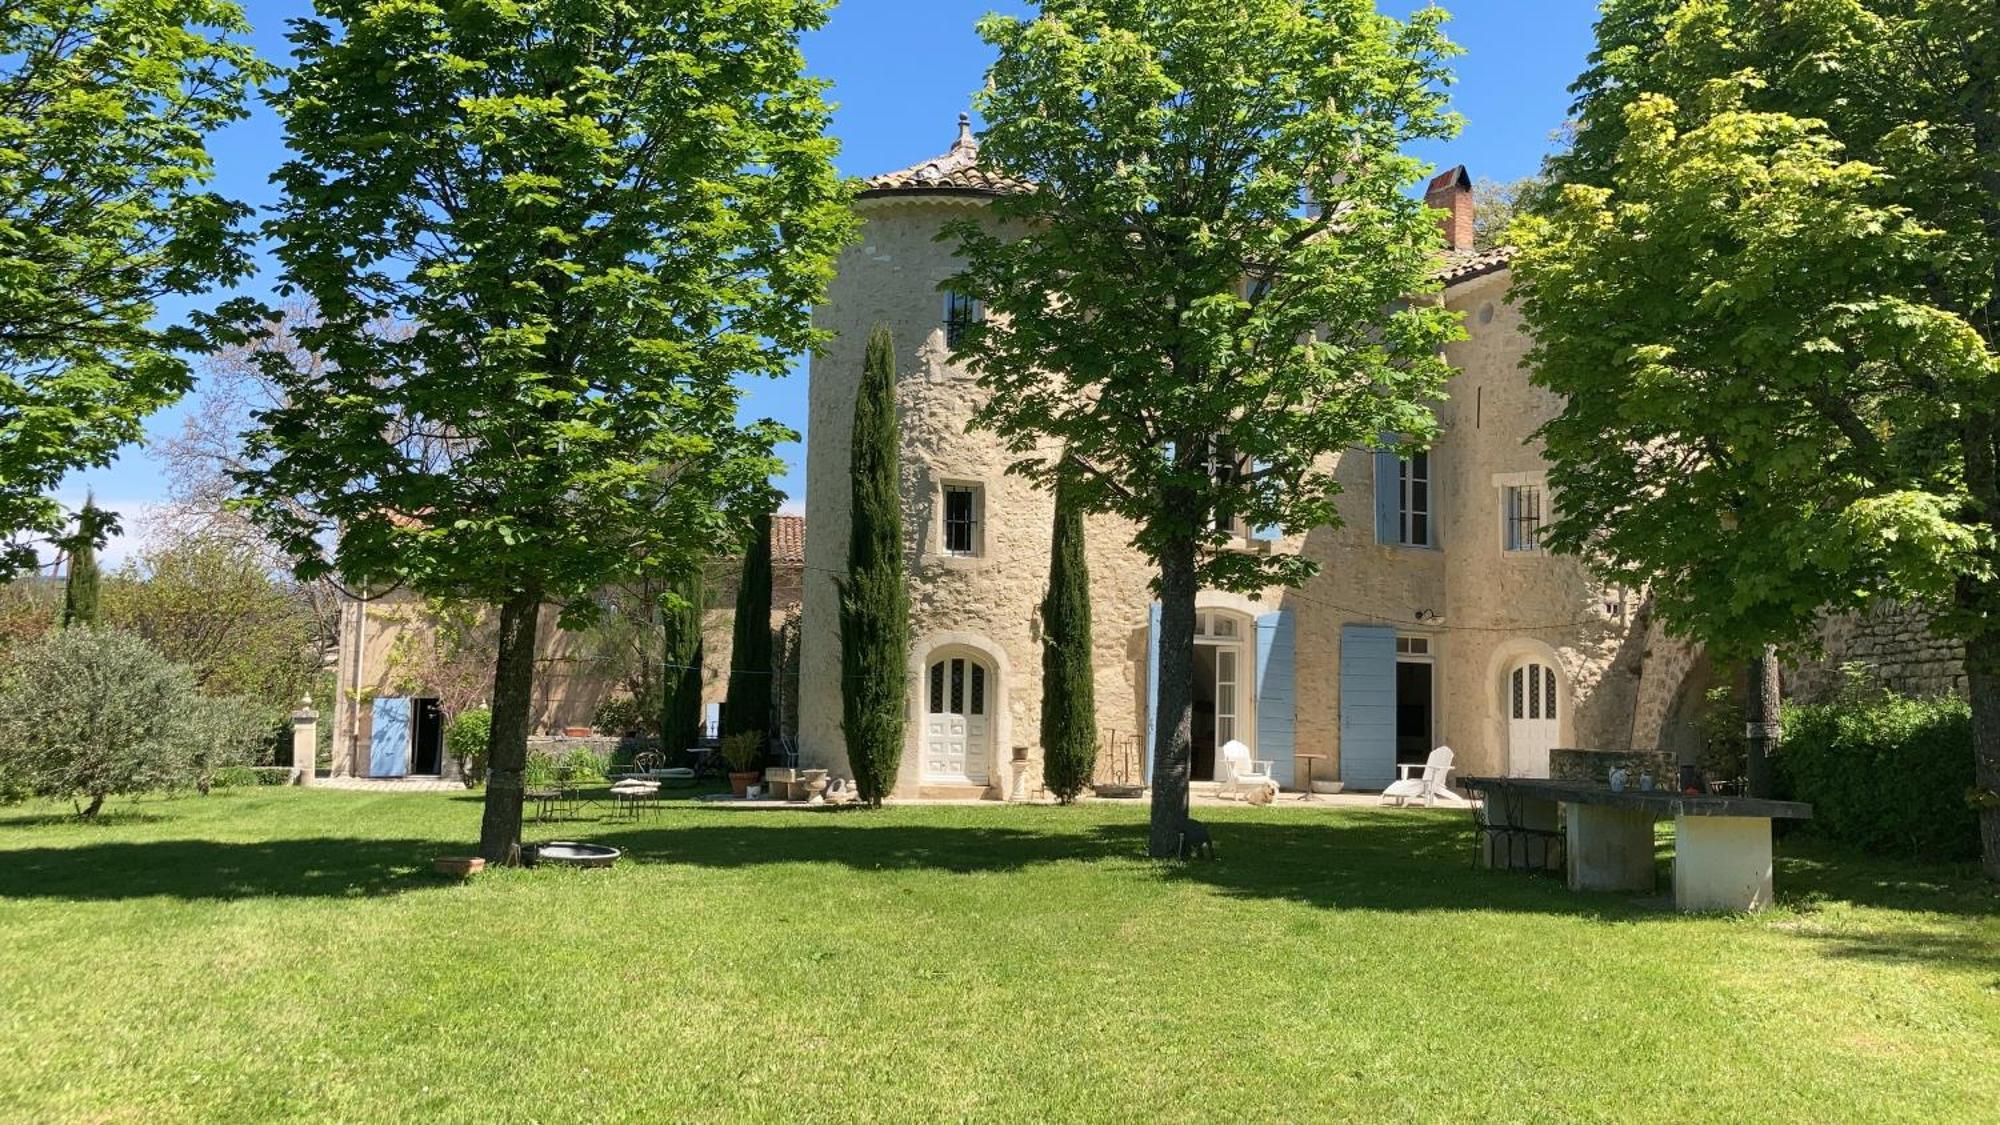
1309 759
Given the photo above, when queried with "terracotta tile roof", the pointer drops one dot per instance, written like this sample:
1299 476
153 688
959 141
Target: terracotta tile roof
788 540
957 172
1464 265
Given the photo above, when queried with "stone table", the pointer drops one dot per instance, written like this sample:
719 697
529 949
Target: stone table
1722 845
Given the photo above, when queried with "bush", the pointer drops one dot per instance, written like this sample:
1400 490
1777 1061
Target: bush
225 734
546 767
622 715
465 739
742 749
88 713
1885 773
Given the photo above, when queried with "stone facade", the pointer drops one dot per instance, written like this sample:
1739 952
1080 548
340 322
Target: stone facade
1896 646
1481 610
575 671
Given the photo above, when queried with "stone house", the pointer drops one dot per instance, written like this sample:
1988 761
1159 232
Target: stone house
405 666
1435 619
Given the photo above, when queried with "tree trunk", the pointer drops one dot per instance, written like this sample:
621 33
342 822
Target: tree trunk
96 803
1982 678
1173 733
507 745
1763 707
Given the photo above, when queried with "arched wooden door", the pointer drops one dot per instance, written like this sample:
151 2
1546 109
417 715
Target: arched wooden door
1532 726
958 726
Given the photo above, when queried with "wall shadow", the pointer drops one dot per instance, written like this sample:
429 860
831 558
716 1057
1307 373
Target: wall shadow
315 867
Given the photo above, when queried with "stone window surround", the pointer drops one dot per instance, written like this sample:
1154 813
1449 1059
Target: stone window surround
1502 482
933 553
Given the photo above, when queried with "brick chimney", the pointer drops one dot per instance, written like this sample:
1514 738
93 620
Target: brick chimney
1451 193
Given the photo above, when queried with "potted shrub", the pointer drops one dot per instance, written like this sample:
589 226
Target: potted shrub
741 751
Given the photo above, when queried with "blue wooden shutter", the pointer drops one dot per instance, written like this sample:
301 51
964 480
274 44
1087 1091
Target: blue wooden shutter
1388 497
389 738
1152 689
1367 706
1276 711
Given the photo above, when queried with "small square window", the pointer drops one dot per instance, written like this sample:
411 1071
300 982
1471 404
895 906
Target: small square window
1525 517
1413 646
961 519
960 313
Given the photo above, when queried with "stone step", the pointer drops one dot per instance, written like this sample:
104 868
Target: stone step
957 793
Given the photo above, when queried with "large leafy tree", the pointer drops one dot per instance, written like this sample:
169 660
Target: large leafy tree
1768 286
105 110
592 216
1215 283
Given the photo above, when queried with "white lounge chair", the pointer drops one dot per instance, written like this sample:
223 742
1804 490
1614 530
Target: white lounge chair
1429 786
1242 774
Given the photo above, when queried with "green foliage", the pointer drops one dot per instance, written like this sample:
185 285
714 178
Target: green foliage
1205 308
1497 204
743 750
752 669
601 214
1214 280
681 616
29 608
622 715
213 604
105 110
1885 774
580 766
224 732
1766 290
89 713
1069 684
874 601
83 592
1764 287
1725 751
465 739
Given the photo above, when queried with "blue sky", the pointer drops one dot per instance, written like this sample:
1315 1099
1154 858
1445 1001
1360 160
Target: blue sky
902 71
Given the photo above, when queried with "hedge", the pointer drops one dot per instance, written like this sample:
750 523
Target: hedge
1885 774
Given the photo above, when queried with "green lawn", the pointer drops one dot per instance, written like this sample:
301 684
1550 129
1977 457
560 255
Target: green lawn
264 955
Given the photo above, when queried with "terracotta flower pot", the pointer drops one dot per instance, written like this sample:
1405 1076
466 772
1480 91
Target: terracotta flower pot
739 783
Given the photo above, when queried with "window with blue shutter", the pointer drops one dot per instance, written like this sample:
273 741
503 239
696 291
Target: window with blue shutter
1367 706
1388 496
389 738
1276 697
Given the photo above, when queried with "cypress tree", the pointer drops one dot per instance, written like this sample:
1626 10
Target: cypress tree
874 603
680 724
747 707
80 593
1069 692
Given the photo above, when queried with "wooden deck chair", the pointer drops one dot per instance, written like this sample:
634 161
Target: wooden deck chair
1241 773
1429 786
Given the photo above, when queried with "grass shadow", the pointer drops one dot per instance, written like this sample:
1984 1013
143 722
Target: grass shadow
314 867
108 818
1362 862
